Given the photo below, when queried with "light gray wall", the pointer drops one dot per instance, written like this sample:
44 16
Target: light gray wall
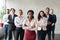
37 5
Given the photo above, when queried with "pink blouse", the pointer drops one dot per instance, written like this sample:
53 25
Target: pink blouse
27 25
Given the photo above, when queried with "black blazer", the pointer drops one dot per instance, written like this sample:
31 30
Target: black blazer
11 21
54 18
50 19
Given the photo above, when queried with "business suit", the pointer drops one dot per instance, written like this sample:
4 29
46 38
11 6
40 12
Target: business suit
11 25
53 26
49 27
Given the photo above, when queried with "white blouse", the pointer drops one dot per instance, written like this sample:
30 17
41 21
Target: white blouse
18 21
42 23
30 25
5 18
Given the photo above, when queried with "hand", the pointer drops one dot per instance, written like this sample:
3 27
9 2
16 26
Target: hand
53 24
20 24
38 25
49 23
7 20
25 25
33 26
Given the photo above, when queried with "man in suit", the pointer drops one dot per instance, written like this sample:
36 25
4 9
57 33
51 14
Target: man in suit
12 27
54 22
49 17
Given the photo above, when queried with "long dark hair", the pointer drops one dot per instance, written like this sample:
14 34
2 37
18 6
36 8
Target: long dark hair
32 12
39 16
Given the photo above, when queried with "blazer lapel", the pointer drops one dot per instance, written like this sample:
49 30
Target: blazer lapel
13 16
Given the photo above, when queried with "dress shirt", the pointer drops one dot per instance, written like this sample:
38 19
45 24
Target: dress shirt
29 24
47 16
18 21
5 18
42 23
12 15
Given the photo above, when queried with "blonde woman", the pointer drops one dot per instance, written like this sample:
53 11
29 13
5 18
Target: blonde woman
18 23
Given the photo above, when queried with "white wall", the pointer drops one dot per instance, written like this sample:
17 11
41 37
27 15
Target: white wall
36 5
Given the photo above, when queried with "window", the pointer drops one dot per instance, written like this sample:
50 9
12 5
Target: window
2 8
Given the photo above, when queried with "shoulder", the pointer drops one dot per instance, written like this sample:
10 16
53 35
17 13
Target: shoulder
34 20
25 19
9 14
5 15
45 18
50 15
54 15
15 14
16 17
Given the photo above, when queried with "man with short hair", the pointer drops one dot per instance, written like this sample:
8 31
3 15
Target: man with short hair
49 17
12 27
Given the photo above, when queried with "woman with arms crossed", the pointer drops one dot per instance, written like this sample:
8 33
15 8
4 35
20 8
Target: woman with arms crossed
18 23
29 26
41 25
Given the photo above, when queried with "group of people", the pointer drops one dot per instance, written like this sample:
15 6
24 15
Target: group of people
26 28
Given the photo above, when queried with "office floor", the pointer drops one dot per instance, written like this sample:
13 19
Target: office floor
57 37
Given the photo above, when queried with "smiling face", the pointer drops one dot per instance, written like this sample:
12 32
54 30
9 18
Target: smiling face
12 10
20 12
41 14
7 11
47 10
30 14
51 11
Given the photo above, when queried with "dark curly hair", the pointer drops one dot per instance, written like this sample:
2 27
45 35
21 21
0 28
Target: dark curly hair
32 12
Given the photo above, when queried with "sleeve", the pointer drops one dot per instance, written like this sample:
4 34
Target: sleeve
45 23
4 19
24 22
25 26
34 25
9 19
55 18
16 22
